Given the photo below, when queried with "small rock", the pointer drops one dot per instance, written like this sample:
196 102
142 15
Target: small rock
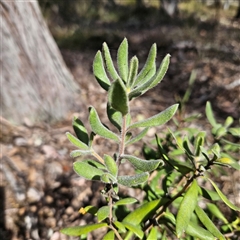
33 195
49 199
51 222
20 141
69 210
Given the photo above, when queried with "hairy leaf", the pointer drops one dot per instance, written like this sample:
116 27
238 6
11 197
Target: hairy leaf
94 163
76 142
115 117
122 59
132 72
186 208
118 98
77 153
99 128
80 130
137 137
158 119
135 180
108 178
149 65
111 165
80 230
109 63
99 72
153 81
87 171
207 222
143 165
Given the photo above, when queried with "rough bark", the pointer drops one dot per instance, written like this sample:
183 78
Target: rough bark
35 82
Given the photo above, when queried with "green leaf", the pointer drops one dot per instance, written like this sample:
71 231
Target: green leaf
117 97
186 208
111 165
153 234
89 209
103 213
133 228
153 81
109 235
144 212
228 122
199 141
80 230
122 59
209 194
76 142
120 226
135 180
234 131
94 163
87 171
207 222
99 128
109 63
126 201
149 65
132 72
210 115
158 119
216 212
143 165
115 117
198 232
108 178
77 153
223 197
137 137
80 130
99 72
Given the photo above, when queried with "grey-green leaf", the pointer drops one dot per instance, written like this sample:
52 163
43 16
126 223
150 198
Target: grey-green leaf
77 153
132 72
80 230
158 119
207 222
80 130
122 59
186 208
108 178
75 141
111 165
109 63
118 98
135 180
95 163
98 127
143 165
149 65
153 81
87 171
114 117
99 72
137 137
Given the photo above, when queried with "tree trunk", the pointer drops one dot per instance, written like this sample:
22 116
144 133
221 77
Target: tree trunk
35 82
